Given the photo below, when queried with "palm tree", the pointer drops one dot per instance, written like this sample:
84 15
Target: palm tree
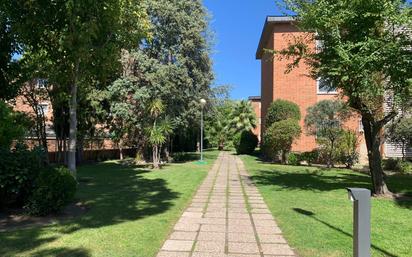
243 117
159 131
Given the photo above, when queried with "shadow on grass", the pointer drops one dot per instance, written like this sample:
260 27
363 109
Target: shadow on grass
63 252
312 216
323 179
114 193
313 180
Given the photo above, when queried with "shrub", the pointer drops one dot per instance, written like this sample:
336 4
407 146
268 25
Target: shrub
310 157
392 164
281 110
245 142
13 125
294 159
405 167
54 189
184 157
279 138
348 148
18 169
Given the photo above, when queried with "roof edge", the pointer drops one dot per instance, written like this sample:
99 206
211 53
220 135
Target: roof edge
270 20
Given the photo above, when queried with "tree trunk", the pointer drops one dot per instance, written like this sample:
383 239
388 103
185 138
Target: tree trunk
121 149
284 158
155 157
73 129
373 143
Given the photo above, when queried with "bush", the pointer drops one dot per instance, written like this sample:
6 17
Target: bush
392 164
54 189
18 169
294 159
405 167
279 138
348 148
245 142
281 110
310 157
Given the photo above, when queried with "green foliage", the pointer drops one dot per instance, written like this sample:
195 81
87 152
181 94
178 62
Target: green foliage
282 110
294 159
217 124
397 165
279 138
324 120
347 148
54 188
245 142
310 157
13 125
18 169
400 132
364 53
242 117
8 46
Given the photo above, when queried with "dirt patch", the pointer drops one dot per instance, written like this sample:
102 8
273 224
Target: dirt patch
14 219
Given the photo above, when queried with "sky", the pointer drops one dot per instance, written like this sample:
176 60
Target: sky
237 26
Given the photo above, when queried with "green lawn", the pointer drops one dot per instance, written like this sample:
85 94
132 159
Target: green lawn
312 208
131 212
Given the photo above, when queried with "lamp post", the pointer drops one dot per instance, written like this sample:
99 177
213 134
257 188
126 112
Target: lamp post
361 199
202 104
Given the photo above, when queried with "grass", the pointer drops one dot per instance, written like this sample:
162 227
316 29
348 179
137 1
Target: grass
312 208
132 210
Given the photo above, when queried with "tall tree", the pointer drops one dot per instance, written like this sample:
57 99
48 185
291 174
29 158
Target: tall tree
173 67
8 47
365 53
82 39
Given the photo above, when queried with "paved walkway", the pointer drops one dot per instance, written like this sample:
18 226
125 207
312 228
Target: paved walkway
227 218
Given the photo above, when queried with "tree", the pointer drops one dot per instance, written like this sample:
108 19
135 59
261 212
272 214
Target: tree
365 54
13 125
400 132
279 137
324 120
281 110
159 131
217 130
9 46
242 117
82 39
173 66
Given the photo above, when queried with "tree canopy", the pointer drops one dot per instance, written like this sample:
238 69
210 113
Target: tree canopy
365 52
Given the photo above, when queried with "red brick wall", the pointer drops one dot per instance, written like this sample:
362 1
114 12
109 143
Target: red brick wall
295 86
256 104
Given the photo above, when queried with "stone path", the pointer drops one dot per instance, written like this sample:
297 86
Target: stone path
227 218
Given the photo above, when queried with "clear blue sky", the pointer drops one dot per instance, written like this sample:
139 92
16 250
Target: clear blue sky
237 26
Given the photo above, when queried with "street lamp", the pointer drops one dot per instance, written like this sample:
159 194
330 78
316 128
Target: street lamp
202 104
361 199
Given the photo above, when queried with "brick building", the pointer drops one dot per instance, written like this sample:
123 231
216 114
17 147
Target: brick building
298 87
255 101
33 100
295 86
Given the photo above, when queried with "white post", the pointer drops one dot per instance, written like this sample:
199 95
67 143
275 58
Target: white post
202 104
201 136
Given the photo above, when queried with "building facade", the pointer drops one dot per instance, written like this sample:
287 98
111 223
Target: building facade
256 103
297 86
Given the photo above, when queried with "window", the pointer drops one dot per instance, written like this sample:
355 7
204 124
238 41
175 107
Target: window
360 126
41 83
325 87
319 45
43 109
